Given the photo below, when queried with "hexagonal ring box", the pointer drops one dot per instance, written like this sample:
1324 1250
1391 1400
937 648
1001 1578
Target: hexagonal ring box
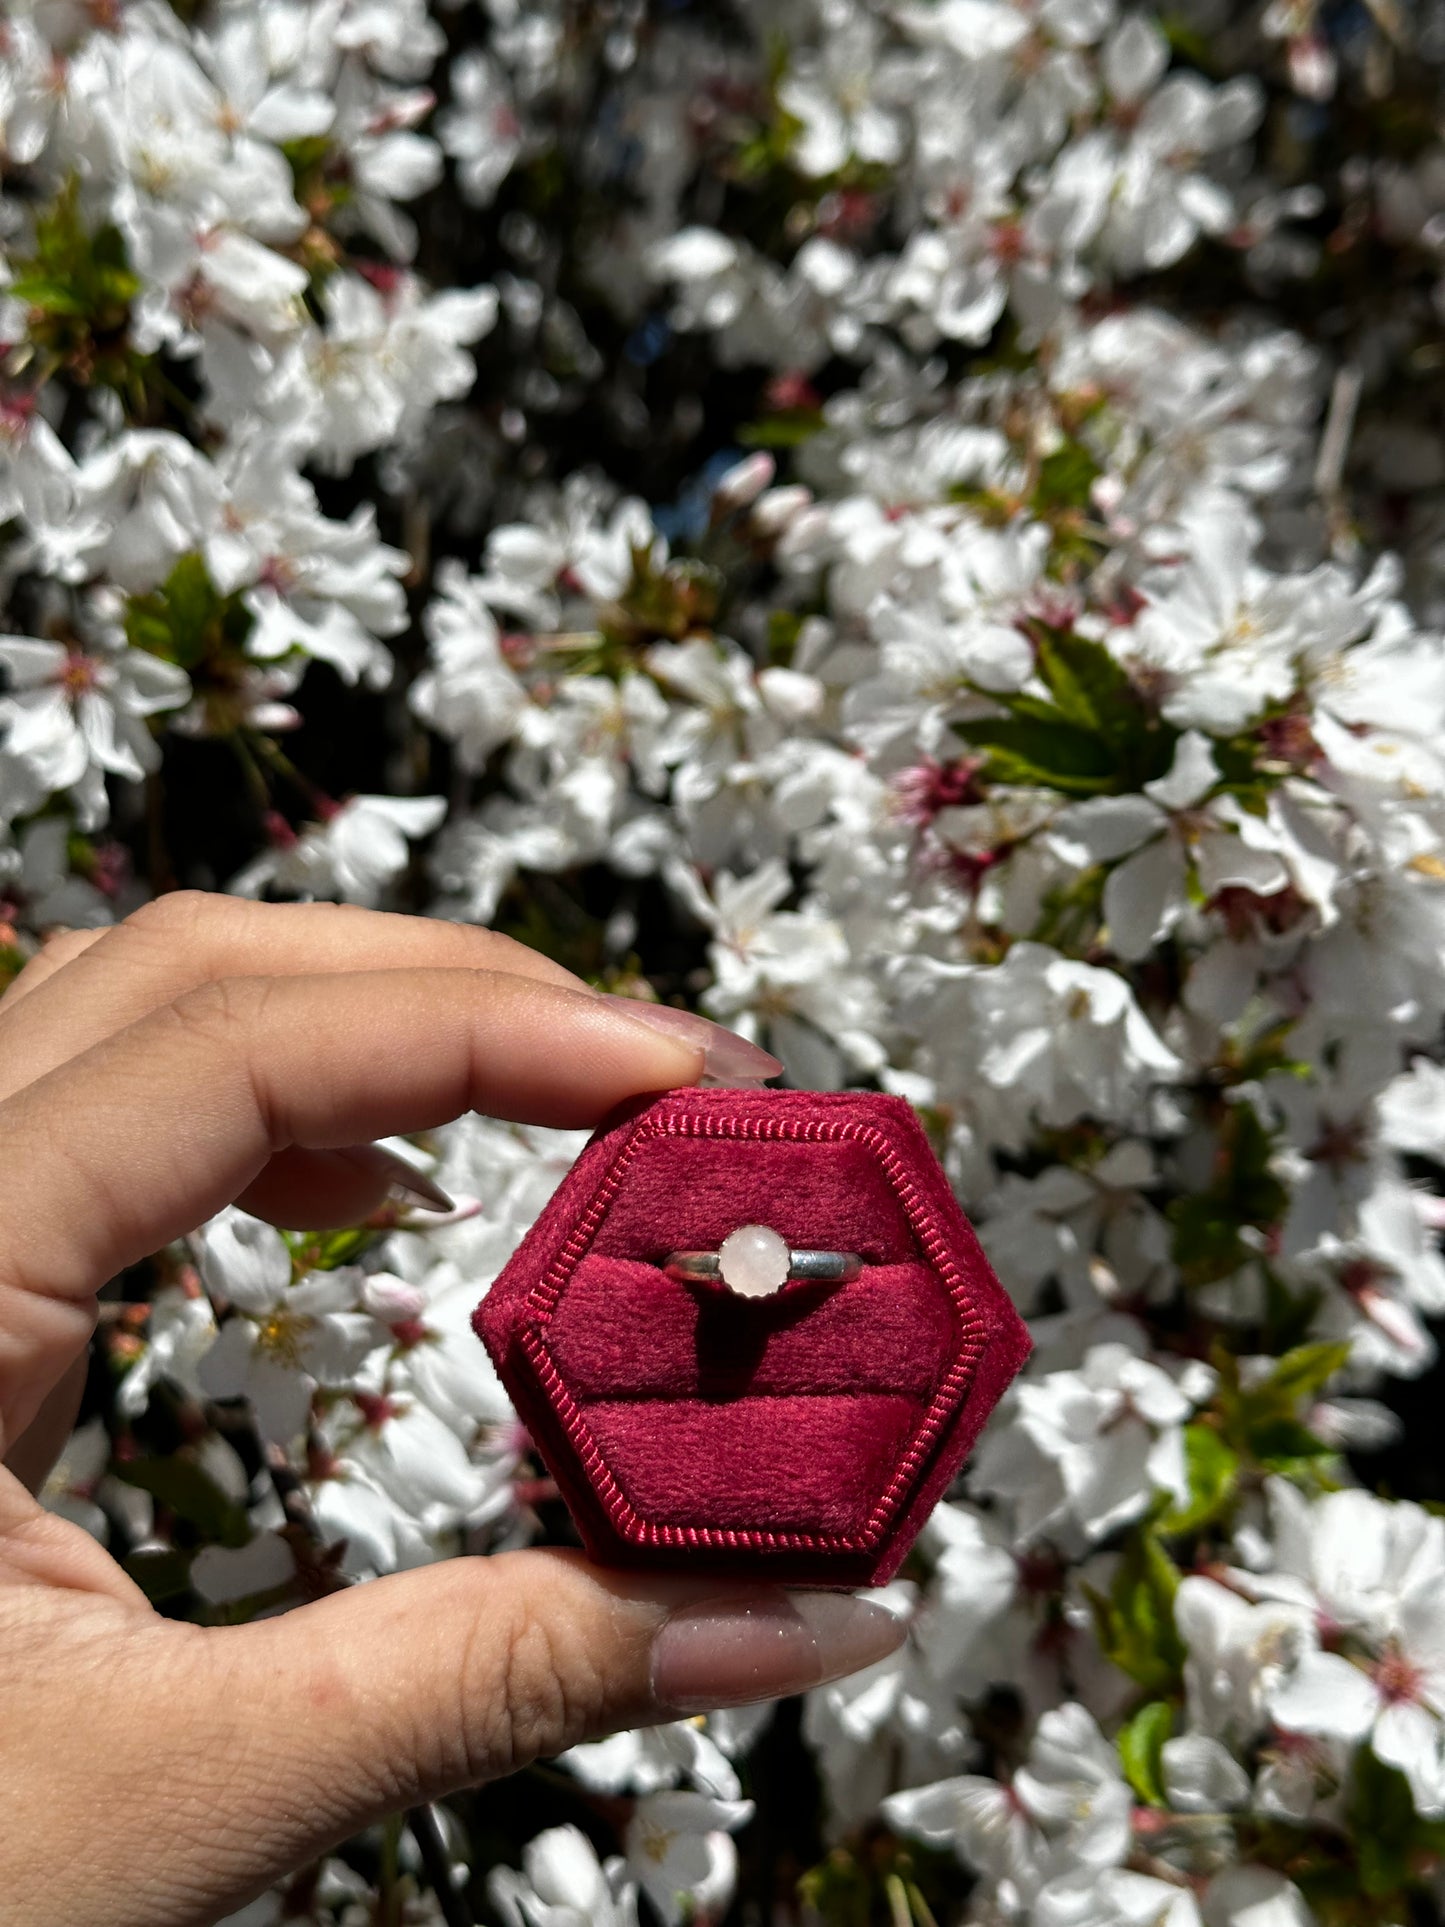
803 1437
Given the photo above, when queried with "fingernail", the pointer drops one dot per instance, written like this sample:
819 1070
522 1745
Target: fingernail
734 1652
730 1058
412 1186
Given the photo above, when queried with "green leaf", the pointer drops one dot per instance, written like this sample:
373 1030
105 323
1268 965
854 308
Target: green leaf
192 599
1141 1746
1280 1443
12 961
1245 1193
1212 1465
1259 1195
1083 678
1095 691
1305 1371
82 282
1237 760
1187 42
1268 1050
187 620
1072 913
1093 735
1288 1314
789 428
1382 1824
43 291
178 1483
1264 1418
326 1250
1207 1244
1066 479
1135 1621
1033 749
306 152
784 628
661 604
838 1890
991 505
1091 688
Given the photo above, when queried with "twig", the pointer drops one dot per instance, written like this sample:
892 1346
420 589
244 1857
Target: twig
1389 20
922 1912
1339 426
898 1905
389 1904
427 1834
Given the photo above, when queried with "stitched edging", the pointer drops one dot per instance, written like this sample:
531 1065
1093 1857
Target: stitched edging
541 1304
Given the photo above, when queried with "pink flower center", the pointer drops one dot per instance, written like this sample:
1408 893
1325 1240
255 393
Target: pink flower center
385 278
321 1464
110 868
791 390
80 674
1244 911
277 573
1340 1142
1397 1677
1006 243
1041 1572
930 787
16 411
278 831
1289 739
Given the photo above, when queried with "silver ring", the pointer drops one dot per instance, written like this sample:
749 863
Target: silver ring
755 1261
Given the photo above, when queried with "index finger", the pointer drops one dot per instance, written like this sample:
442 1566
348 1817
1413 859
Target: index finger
146 1134
84 986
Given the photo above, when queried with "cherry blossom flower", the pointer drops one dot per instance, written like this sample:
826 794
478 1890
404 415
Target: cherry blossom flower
1065 1811
77 713
679 1852
360 849
563 1885
284 1338
1091 1448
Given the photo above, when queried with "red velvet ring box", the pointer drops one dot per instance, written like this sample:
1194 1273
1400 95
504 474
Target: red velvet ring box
804 1437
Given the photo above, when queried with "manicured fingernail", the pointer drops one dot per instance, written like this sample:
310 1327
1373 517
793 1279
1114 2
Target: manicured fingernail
411 1186
734 1652
730 1058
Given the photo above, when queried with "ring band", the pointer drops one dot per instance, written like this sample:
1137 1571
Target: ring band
755 1261
832 1267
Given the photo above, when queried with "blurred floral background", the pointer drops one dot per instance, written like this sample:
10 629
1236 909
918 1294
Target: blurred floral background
917 528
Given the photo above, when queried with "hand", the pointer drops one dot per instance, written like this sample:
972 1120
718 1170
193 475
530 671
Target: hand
153 1772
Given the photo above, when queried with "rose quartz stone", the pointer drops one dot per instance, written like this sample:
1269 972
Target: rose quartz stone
753 1261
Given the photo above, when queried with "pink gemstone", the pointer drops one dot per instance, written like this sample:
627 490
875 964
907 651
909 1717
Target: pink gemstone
753 1261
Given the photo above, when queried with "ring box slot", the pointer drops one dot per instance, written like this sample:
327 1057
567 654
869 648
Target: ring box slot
624 1330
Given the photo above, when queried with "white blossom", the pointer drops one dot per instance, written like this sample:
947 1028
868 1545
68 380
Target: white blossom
353 855
562 1885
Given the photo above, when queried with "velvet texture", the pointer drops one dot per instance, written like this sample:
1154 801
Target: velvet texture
804 1437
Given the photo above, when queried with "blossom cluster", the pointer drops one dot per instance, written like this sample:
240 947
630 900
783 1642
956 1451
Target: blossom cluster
904 524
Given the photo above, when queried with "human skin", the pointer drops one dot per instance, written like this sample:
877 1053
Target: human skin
158 1774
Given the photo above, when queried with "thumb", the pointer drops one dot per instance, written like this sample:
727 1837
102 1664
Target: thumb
445 1677
410 1687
